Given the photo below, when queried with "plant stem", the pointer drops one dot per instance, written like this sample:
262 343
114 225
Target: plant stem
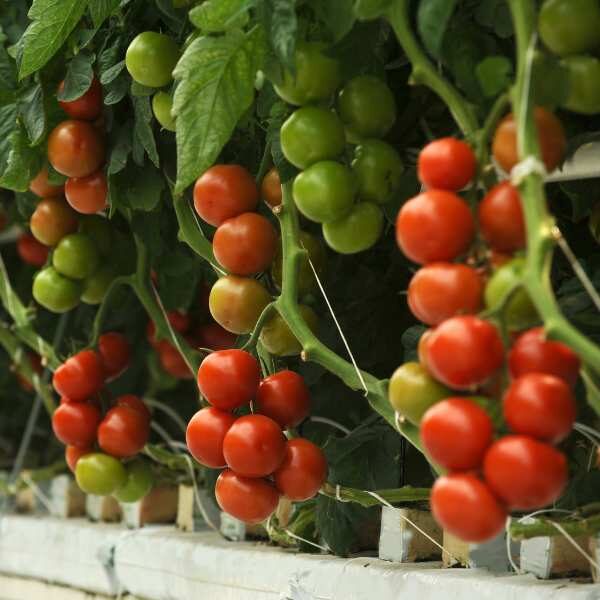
542 527
393 496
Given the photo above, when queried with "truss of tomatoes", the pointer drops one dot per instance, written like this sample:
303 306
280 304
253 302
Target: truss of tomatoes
259 463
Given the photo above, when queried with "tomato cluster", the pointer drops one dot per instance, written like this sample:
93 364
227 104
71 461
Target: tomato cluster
260 464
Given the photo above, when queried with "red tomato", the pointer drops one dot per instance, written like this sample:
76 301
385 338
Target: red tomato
284 397
80 376
73 454
442 290
52 220
302 472
87 107
541 406
215 337
114 352
205 434
246 244
465 507
135 403
456 432
249 500
254 446
40 187
422 347
447 164
271 188
123 432
87 195
524 473
223 192
172 361
76 423
462 352
31 251
532 352
501 218
229 379
179 321
75 149
497 259
434 226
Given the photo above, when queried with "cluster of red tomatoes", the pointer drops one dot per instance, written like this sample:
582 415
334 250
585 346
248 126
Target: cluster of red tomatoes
260 464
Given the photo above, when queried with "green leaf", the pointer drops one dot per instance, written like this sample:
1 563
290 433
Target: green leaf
79 77
338 16
8 71
432 20
283 30
120 150
216 16
140 188
116 90
112 73
111 56
23 162
53 21
8 123
216 86
143 128
32 113
100 10
494 74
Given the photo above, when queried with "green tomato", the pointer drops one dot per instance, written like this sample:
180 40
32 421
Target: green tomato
412 390
520 311
325 191
378 169
140 480
549 80
570 26
367 107
162 103
151 58
311 134
277 338
584 84
76 256
99 230
316 78
97 284
54 291
357 231
100 474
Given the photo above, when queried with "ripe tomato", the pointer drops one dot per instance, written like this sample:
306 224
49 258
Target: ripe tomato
223 192
284 397
246 244
52 220
162 105
205 434
541 406
270 189
277 337
100 474
422 347
532 352
524 473
172 361
140 480
254 446
465 507
442 290
434 226
75 149
356 232
87 195
87 107
73 454
302 472
151 58
584 89
501 218
447 164
76 423
462 352
229 379
40 187
31 251
247 499
214 337
135 403
123 432
54 292
80 376
76 256
455 433
114 352
551 136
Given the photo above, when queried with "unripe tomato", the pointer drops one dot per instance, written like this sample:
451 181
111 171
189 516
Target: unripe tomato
284 397
247 499
162 104
75 256
75 149
80 376
76 423
465 507
55 292
123 432
87 107
98 228
434 226
135 403
524 473
229 379
447 164
87 195
31 251
270 189
223 192
356 231
100 474
205 433
52 220
278 339
97 284
215 337
73 454
140 480
584 84
172 361
114 352
40 187
151 58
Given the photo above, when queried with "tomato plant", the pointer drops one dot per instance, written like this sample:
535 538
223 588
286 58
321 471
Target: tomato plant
151 58
42 188
80 376
87 195
76 423
447 164
88 106
51 221
115 353
139 482
31 251
123 432
100 474
205 434
284 397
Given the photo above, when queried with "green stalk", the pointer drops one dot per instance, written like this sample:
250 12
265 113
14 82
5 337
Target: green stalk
393 496
545 528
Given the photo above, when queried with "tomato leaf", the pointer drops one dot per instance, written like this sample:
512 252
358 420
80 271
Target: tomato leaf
8 71
110 62
116 90
494 74
143 133
216 16
100 10
23 162
120 150
144 187
338 16
32 113
433 17
79 77
283 28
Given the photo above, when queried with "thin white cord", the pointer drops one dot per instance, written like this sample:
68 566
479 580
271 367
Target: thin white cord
199 504
301 539
167 410
37 492
513 564
331 422
575 545
337 494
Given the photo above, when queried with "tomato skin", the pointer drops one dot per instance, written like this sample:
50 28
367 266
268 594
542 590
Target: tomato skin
52 220
439 291
100 474
215 337
246 244
524 473
96 285
284 397
434 226
87 195
465 507
205 434
162 104
76 423
501 218
55 292
31 251
357 231
447 164
584 87
80 376
302 472
224 192
87 107
115 353
151 58
254 446
135 403
73 454
422 347
229 379
551 136
462 352
247 499
123 432
270 188
172 361
140 480
40 187
277 337
75 149
76 256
